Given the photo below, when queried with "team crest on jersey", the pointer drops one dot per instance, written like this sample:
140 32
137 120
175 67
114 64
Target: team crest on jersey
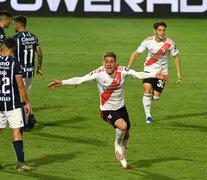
1 36
164 50
118 80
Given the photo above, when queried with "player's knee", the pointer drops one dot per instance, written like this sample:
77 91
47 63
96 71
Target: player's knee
155 98
0 129
147 95
121 124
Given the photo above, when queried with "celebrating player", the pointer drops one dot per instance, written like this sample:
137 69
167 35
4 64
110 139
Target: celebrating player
158 49
110 79
27 45
10 105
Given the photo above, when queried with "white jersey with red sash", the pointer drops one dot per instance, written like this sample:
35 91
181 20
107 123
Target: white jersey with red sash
157 53
110 88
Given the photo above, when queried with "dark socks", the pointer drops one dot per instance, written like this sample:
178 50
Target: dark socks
19 150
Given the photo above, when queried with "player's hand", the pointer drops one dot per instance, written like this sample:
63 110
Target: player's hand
55 83
39 71
179 81
162 76
27 108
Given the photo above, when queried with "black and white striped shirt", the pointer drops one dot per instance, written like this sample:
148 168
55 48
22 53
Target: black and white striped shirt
9 93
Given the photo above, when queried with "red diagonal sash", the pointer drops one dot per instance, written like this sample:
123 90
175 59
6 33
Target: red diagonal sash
161 51
107 93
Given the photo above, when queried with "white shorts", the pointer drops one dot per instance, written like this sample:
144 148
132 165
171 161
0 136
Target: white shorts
14 117
28 83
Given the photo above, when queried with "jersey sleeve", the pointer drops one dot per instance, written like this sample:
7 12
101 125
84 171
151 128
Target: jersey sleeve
79 80
174 51
142 47
17 68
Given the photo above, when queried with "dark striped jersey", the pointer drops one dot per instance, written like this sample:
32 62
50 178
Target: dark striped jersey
25 52
2 35
9 93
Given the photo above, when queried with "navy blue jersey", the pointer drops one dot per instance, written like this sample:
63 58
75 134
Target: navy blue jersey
25 52
9 93
2 35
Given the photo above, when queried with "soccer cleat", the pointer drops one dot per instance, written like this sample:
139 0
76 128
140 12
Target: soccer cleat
149 120
119 155
23 166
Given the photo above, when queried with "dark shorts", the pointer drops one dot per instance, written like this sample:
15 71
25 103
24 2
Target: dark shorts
112 116
157 84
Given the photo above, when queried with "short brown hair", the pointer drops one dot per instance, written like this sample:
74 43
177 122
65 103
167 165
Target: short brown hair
110 54
155 25
5 13
21 19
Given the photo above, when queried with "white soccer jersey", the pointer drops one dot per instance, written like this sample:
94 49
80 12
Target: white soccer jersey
110 88
157 53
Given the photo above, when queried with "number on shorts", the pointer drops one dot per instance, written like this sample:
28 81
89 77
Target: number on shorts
160 84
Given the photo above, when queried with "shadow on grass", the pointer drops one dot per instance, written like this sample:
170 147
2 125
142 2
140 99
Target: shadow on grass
67 139
60 123
150 162
176 124
181 116
137 168
46 160
186 127
47 107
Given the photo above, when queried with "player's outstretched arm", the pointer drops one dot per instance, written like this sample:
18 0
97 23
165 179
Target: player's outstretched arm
55 83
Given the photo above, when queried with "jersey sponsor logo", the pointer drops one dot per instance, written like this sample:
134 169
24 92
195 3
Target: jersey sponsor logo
159 54
5 99
3 73
29 69
113 86
7 63
27 39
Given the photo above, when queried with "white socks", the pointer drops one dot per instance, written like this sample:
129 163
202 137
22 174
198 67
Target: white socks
119 136
146 104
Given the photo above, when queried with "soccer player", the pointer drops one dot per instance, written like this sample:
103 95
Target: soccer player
5 19
159 48
27 46
110 79
10 105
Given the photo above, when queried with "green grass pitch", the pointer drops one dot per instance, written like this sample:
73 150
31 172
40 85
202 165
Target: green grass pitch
72 142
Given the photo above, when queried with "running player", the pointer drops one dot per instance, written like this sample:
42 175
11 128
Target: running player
27 46
110 79
158 48
10 105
